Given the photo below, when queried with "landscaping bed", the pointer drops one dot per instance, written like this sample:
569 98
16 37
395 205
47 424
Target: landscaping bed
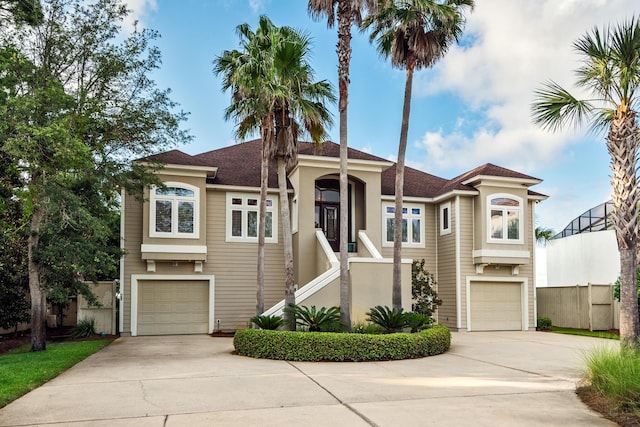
341 347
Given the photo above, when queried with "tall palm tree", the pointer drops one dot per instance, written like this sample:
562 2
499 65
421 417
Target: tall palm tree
348 12
274 92
610 71
413 34
239 69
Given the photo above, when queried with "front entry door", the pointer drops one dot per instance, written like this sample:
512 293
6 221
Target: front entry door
330 223
327 215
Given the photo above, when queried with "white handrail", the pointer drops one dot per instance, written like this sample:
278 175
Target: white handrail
316 284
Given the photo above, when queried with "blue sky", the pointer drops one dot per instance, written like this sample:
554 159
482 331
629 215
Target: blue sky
473 107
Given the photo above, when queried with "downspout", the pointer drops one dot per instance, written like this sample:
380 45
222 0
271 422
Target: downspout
535 272
121 290
458 273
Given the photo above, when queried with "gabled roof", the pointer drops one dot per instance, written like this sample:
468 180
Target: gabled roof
239 165
461 182
176 157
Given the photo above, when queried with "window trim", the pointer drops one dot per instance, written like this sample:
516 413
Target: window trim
408 216
520 209
174 234
445 207
245 208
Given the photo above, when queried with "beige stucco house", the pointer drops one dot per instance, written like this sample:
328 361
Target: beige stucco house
191 248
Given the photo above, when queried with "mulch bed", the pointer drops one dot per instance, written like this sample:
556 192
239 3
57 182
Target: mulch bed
602 405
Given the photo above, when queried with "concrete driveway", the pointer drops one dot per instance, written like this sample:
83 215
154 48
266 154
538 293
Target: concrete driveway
486 379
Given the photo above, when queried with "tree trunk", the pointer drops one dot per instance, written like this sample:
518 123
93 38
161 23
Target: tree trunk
264 179
345 21
38 297
399 192
289 284
622 144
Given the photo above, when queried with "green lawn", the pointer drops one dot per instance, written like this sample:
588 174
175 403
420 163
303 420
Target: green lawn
22 371
584 332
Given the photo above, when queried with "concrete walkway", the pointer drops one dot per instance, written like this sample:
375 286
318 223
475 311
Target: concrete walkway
486 379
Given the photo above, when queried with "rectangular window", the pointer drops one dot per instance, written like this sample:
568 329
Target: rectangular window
243 217
445 218
412 229
163 216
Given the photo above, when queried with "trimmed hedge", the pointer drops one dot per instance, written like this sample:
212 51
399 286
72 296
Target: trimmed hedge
340 347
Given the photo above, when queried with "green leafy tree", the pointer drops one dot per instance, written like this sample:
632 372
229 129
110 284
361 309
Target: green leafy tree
413 34
610 73
80 105
278 96
347 12
20 12
423 289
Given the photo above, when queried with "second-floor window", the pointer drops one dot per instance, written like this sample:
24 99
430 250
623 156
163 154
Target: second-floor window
505 218
174 211
412 224
445 218
243 214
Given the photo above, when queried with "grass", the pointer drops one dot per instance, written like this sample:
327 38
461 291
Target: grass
22 370
615 375
585 333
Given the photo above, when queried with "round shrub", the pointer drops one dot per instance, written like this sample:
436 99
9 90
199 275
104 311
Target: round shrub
340 347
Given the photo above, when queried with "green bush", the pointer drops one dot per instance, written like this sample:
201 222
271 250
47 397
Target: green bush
416 321
423 289
544 323
314 320
85 328
340 347
615 374
267 322
367 328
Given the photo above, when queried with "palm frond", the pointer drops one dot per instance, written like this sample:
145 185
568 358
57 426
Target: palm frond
554 107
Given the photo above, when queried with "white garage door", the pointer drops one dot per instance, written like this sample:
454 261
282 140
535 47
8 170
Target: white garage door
496 306
173 307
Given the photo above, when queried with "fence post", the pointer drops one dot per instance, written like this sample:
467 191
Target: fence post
590 302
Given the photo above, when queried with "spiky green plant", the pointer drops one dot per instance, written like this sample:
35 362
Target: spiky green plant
391 319
271 322
417 321
85 328
315 320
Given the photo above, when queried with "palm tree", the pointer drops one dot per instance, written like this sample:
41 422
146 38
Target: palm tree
239 68
610 71
274 91
348 13
414 34
543 235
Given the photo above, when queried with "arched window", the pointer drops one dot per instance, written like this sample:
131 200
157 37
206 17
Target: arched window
173 211
505 218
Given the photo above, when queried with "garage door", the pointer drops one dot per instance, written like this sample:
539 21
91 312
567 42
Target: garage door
496 306
173 307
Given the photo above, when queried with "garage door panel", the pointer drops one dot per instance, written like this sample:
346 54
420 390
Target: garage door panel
173 307
496 306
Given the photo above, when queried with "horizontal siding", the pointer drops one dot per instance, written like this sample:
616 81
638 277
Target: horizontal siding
446 276
235 268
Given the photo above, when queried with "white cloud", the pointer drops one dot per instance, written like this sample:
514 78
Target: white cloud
514 47
139 8
257 5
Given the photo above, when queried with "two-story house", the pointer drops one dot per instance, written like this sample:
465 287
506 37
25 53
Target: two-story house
191 247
